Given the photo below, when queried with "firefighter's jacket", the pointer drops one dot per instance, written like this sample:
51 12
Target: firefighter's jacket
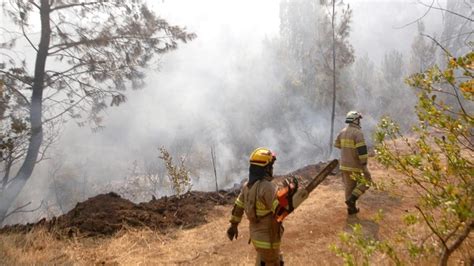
259 203
353 149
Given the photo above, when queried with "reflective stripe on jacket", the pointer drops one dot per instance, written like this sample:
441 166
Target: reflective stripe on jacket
266 232
353 149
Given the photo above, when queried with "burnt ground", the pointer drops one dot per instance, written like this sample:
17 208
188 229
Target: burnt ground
106 214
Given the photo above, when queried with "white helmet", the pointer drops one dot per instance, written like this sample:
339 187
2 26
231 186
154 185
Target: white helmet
352 116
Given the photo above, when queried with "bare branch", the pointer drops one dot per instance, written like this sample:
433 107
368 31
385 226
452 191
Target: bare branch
431 227
311 138
65 111
453 232
20 209
447 110
18 93
10 31
459 100
74 5
457 36
469 144
437 43
26 37
445 10
465 233
445 92
408 172
418 19
64 46
61 75
17 209
23 211
48 143
35 4
14 77
452 85
6 55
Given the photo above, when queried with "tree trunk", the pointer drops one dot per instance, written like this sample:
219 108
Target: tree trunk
58 200
333 76
213 156
9 195
3 104
6 176
447 251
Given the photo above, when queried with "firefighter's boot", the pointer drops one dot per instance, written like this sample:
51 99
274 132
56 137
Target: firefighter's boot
351 205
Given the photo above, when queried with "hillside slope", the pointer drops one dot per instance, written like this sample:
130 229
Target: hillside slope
308 233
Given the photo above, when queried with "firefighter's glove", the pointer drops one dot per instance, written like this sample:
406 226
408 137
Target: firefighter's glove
292 184
233 231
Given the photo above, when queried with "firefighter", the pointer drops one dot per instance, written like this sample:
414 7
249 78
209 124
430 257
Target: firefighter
258 199
353 162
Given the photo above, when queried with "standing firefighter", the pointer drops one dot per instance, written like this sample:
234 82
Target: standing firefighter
353 160
258 199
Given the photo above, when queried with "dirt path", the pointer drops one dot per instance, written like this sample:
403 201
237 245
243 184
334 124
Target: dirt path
308 231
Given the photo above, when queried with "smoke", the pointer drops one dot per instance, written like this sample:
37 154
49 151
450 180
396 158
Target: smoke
384 25
221 91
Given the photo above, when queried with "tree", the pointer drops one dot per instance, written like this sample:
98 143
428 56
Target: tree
315 44
423 52
300 28
340 33
437 165
88 54
364 78
393 88
440 164
393 67
457 29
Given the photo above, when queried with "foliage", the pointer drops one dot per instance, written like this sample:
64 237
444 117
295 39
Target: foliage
437 163
14 131
98 49
358 249
88 54
12 144
178 175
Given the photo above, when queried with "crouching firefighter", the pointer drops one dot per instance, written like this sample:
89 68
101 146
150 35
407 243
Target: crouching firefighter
259 200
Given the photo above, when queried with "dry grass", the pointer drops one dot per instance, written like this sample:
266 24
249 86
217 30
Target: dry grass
309 232
128 247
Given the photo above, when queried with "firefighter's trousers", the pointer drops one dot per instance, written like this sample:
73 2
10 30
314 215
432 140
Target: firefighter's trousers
352 187
267 257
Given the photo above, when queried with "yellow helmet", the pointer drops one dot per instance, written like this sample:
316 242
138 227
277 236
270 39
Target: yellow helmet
262 157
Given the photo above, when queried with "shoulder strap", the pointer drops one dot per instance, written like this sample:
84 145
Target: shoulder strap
255 200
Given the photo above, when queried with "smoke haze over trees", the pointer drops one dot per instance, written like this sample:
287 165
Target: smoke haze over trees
98 49
255 76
